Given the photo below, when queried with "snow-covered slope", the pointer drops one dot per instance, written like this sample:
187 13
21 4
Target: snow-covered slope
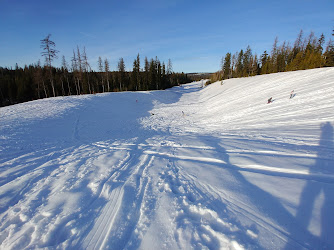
185 168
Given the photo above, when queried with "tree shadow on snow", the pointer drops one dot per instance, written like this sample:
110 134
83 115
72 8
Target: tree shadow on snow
314 190
294 229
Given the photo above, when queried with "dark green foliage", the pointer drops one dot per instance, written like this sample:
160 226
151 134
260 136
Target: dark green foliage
240 64
33 82
135 77
227 66
329 54
305 54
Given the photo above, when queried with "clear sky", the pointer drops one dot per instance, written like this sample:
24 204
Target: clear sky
193 34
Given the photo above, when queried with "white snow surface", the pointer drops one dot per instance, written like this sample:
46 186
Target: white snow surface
184 168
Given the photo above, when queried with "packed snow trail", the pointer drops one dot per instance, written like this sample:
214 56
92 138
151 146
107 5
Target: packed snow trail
185 168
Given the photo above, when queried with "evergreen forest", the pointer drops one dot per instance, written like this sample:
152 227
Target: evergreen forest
38 81
306 53
76 77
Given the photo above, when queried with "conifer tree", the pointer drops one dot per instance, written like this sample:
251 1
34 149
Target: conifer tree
247 62
136 73
320 44
152 74
274 54
158 73
264 63
38 77
329 54
240 63
227 66
106 70
121 72
147 82
298 44
65 74
234 64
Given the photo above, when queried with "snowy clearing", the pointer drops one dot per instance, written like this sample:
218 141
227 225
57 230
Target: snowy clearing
184 168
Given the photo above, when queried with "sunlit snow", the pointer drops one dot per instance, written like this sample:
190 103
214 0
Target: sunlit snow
185 168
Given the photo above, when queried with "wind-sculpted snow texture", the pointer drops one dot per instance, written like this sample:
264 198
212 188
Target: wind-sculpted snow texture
185 168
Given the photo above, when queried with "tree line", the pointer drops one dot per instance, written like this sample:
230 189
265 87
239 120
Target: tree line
306 53
76 77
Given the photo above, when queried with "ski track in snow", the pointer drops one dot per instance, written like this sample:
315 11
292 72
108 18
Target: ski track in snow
185 168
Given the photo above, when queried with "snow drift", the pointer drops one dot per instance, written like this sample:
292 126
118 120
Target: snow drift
184 168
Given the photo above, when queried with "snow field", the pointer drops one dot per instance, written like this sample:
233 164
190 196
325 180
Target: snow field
184 168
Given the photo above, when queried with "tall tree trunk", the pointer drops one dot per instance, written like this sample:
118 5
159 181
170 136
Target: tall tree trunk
53 88
68 85
62 86
45 93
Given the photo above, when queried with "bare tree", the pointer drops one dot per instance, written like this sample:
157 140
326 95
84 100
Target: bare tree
169 67
86 68
100 66
106 69
50 53
74 71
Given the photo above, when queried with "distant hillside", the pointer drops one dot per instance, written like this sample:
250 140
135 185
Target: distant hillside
199 76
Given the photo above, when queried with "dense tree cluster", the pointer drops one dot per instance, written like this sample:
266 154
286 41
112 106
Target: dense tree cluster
306 53
36 81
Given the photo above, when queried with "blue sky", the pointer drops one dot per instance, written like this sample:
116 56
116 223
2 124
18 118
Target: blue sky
193 34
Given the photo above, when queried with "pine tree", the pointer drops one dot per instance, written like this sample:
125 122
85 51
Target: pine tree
121 72
282 57
274 55
234 64
146 82
240 64
164 77
106 70
227 66
320 44
158 73
265 63
152 74
136 73
247 62
298 46
38 77
329 54
254 66
65 74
